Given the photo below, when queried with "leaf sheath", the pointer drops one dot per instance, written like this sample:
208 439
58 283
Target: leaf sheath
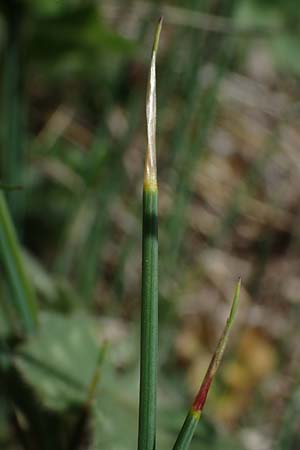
190 424
149 307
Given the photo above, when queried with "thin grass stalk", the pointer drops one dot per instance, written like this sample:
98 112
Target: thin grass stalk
11 258
149 307
190 424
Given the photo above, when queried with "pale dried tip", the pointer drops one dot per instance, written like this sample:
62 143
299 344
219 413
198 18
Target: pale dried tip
150 161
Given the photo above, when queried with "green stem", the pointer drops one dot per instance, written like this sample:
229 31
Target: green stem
190 424
149 308
149 324
187 431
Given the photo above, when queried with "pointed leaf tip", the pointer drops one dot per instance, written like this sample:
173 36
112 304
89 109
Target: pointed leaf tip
235 302
150 181
157 34
217 356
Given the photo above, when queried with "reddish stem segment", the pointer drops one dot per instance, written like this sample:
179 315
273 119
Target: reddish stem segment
189 426
200 398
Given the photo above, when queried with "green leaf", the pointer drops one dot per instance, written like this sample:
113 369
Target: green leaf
61 360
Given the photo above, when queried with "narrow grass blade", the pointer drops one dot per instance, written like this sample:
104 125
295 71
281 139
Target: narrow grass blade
149 308
188 429
11 258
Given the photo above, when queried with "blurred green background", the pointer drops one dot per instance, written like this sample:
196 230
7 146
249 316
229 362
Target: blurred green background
73 77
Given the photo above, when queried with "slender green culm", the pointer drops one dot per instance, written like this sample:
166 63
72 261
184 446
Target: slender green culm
11 258
149 307
188 429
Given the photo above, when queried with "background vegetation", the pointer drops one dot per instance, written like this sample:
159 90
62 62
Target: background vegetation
73 81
